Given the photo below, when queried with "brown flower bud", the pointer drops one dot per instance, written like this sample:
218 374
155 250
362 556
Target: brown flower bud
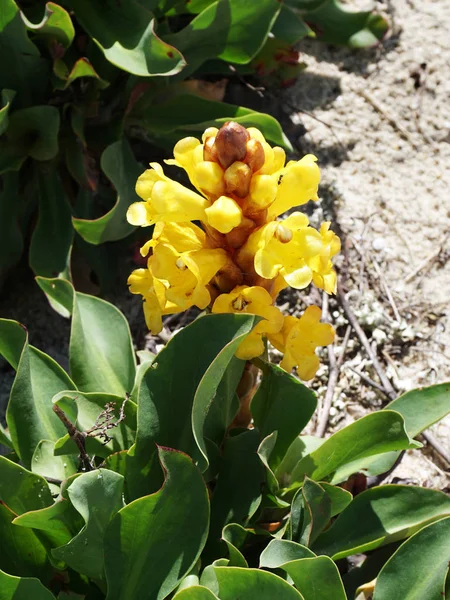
283 234
255 155
231 143
239 235
210 150
237 179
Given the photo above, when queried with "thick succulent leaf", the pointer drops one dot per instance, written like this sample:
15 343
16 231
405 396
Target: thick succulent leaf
22 490
11 238
284 405
339 497
121 168
163 533
316 578
21 552
30 415
45 463
56 25
97 496
236 537
420 408
22 69
22 588
384 515
302 446
241 469
374 433
125 34
236 583
335 23
186 114
34 132
195 592
310 513
181 380
52 237
280 552
419 568
231 30
82 68
289 27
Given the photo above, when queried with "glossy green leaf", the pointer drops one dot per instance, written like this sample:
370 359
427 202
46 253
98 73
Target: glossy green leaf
310 513
174 382
289 27
236 583
384 514
7 96
235 537
231 30
22 490
21 552
279 552
163 533
419 567
30 415
120 166
34 131
196 592
374 433
82 68
126 36
186 114
22 588
284 405
56 24
339 497
11 238
336 23
316 578
45 463
52 238
97 496
241 469
302 446
420 408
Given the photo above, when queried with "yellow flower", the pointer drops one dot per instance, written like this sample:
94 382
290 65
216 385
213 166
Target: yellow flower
298 340
324 275
224 215
255 301
164 200
141 281
283 248
299 183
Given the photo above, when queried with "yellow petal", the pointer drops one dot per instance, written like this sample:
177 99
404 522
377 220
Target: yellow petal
263 189
251 347
138 214
308 366
224 215
300 278
209 177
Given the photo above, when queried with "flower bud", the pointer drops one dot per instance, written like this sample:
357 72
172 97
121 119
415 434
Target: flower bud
283 234
231 143
237 179
210 150
255 155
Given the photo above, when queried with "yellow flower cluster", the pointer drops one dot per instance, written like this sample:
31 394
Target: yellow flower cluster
242 255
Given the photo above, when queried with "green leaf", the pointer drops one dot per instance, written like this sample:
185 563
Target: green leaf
289 27
120 166
22 588
310 512
56 24
284 405
97 496
186 114
231 30
339 497
7 97
384 515
374 433
82 68
101 350
420 408
236 583
164 532
419 567
235 537
302 446
34 132
195 592
30 415
171 383
316 578
126 36
241 469
45 463
21 552
279 552
52 238
11 239
335 23
22 490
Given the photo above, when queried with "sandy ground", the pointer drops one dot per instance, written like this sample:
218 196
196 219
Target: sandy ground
385 159
379 123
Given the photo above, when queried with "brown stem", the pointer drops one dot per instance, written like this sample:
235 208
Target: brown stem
246 390
77 436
